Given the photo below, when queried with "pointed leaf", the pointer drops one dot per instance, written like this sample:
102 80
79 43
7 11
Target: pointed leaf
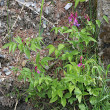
27 52
63 102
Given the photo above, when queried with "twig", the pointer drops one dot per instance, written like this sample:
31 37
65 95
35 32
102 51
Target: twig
16 104
14 23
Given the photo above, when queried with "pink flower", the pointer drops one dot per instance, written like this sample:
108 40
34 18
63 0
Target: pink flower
74 19
87 17
75 22
81 58
35 68
22 41
38 71
80 64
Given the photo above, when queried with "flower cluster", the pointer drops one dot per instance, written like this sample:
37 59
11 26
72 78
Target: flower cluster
80 64
37 70
73 19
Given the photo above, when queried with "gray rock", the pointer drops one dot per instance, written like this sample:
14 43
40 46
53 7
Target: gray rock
48 34
10 67
44 24
0 65
48 10
5 69
8 73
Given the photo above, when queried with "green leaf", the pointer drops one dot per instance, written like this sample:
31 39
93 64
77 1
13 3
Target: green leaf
79 97
68 31
64 57
91 39
60 93
76 3
106 18
39 88
70 57
75 52
10 47
14 47
39 38
82 106
51 49
53 99
20 47
71 88
57 53
93 100
71 100
98 23
18 40
37 57
27 52
78 94
33 46
6 45
61 46
49 93
77 91
45 59
63 102
67 95
82 0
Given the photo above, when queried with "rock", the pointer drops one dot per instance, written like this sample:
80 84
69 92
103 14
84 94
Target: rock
24 62
0 65
8 73
10 67
5 69
48 33
2 56
0 73
44 24
1 2
48 10
2 79
68 5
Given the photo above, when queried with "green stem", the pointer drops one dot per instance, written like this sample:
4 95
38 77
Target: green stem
41 15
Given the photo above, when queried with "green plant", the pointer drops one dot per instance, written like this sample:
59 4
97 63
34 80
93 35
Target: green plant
83 84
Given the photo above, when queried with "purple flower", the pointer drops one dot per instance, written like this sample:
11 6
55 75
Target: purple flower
75 22
38 71
80 64
74 19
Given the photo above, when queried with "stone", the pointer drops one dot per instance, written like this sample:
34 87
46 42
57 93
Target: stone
44 24
10 67
8 73
68 5
5 69
0 65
